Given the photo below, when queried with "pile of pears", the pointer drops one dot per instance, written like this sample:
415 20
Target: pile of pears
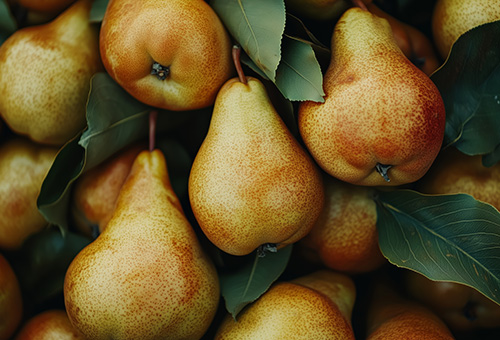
257 183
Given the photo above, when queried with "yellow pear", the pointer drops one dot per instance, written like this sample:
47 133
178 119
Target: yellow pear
146 276
452 18
23 167
52 324
316 306
345 236
171 54
382 122
11 300
45 73
251 182
393 316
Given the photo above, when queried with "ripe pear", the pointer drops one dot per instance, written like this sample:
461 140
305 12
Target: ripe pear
316 306
146 276
251 182
52 324
345 236
461 307
95 191
170 54
452 18
382 121
11 301
454 172
390 315
23 167
45 73
46 6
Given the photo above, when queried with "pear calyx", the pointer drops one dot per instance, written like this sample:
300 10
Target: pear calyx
160 71
382 169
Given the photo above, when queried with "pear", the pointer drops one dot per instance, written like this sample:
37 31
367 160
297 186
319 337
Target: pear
11 300
251 183
382 121
48 325
461 307
345 236
45 73
23 167
46 6
146 276
170 54
393 316
316 306
452 18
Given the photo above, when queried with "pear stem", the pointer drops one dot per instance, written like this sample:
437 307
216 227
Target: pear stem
237 63
153 117
360 4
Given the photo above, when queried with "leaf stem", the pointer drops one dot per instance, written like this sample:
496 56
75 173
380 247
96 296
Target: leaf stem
237 63
153 117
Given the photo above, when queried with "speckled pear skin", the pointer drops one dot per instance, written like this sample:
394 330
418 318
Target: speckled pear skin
145 276
301 309
251 182
452 18
186 36
45 73
379 108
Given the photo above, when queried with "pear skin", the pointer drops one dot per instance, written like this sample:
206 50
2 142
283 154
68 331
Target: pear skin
146 276
45 73
382 121
317 306
170 54
345 236
23 167
49 325
11 300
46 6
251 182
452 18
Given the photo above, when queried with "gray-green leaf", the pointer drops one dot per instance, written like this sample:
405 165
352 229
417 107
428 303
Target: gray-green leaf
258 26
444 237
8 24
247 284
98 9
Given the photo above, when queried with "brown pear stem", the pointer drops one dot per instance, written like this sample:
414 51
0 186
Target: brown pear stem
360 4
153 117
237 63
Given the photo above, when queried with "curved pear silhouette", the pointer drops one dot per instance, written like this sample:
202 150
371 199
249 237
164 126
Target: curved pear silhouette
48 325
382 122
11 300
251 182
170 54
315 306
45 76
146 276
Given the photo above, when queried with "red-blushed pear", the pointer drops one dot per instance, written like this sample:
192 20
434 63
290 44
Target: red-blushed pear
52 324
315 306
452 18
45 73
170 54
23 167
11 300
382 121
46 6
146 275
251 183
345 237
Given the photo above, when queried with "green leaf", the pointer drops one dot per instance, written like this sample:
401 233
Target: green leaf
8 24
114 120
444 237
469 83
41 263
492 158
258 26
98 9
299 75
244 285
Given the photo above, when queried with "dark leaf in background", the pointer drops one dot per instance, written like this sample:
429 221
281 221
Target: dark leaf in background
469 83
444 237
8 24
98 9
114 120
